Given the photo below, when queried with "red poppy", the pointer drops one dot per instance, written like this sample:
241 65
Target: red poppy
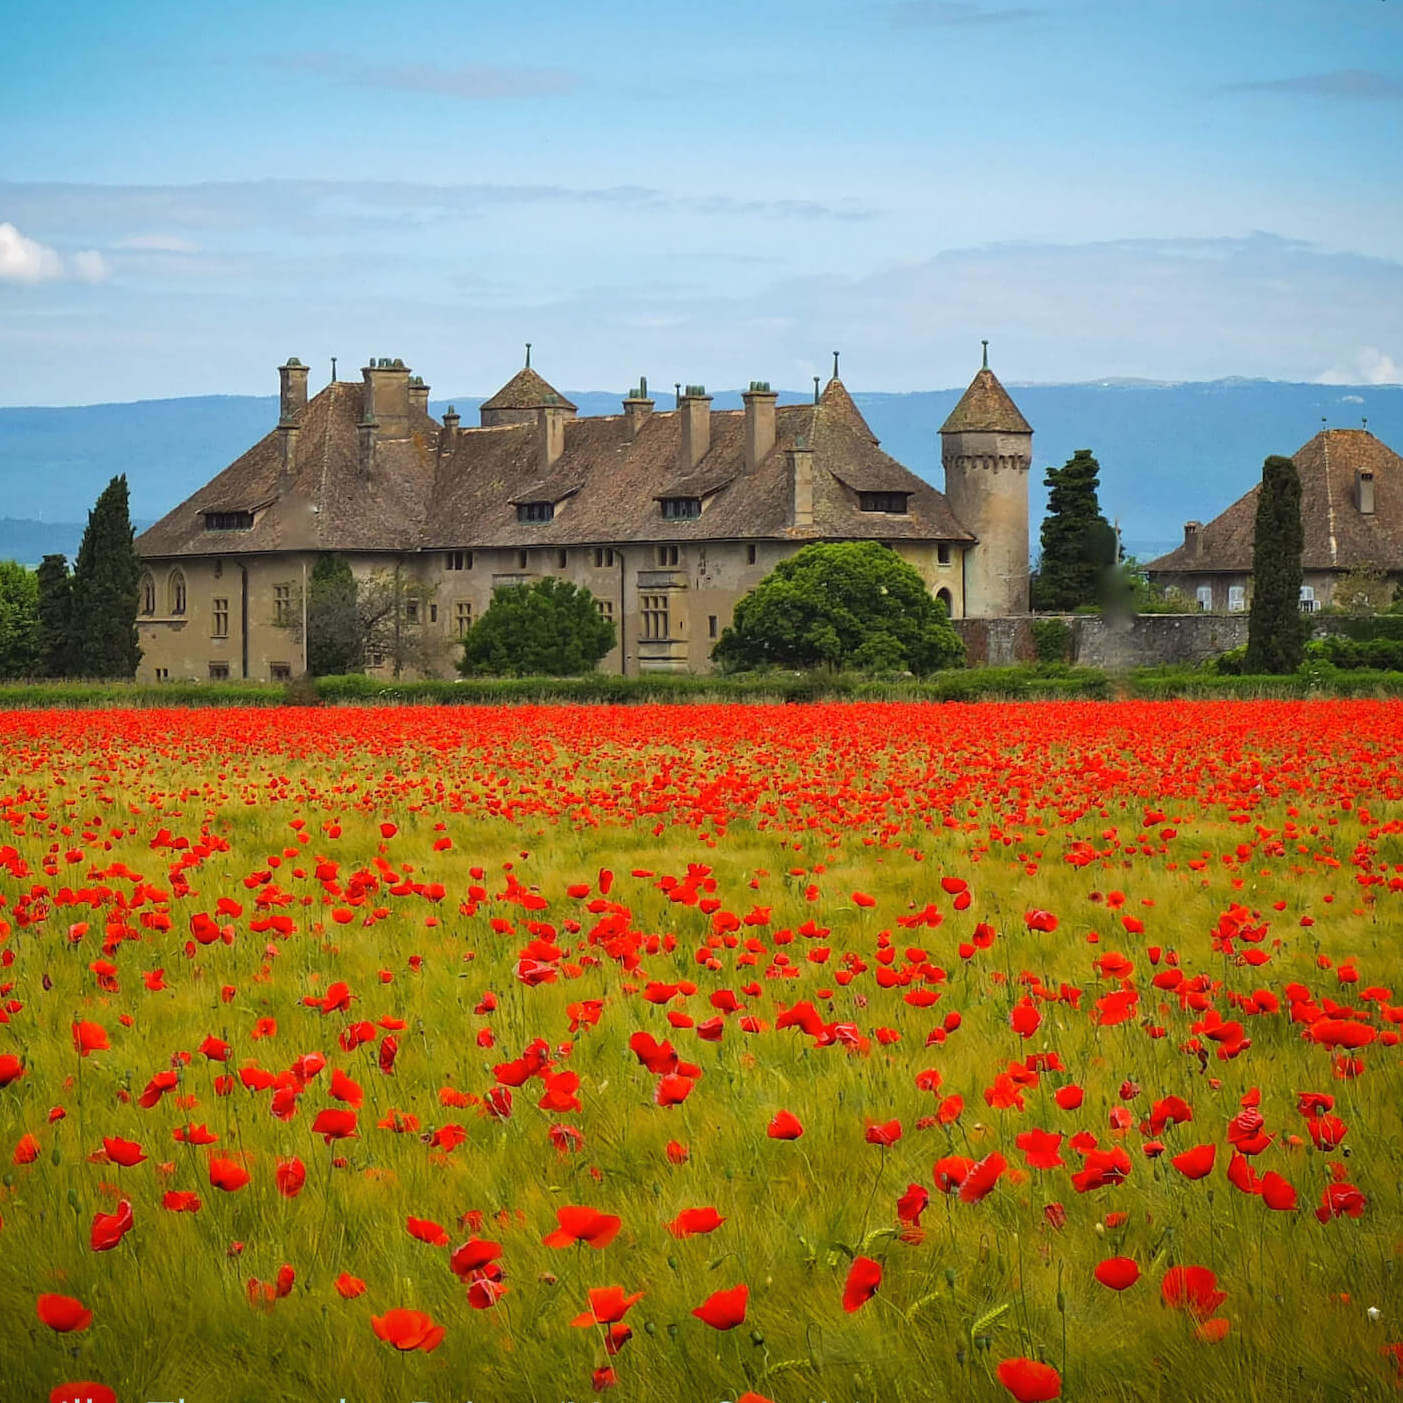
291 1175
864 1277
180 1201
11 1068
90 1037
426 1230
982 1177
349 1286
691 1221
785 1126
724 1310
1118 1273
333 1124
227 1174
63 1314
473 1256
1041 1148
583 1225
84 1391
110 1228
1029 1381
1193 1289
1197 1162
886 1134
607 1304
408 1329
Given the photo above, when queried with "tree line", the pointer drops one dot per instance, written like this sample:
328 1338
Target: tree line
57 622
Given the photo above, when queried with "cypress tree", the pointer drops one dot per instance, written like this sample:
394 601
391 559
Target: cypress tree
55 647
1276 632
335 637
106 583
1078 543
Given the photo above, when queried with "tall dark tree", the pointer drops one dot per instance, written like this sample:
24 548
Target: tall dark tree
550 628
106 583
1078 543
1276 632
19 620
335 638
55 645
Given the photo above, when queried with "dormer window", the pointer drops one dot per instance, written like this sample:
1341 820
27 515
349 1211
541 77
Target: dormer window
228 521
535 511
893 503
681 508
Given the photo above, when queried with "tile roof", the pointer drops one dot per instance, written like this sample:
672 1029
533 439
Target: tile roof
1338 536
985 408
525 390
426 492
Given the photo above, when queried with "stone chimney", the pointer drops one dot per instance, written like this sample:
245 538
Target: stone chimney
449 435
1364 491
800 462
1193 539
550 434
287 443
695 409
366 432
386 398
637 408
418 396
292 379
759 423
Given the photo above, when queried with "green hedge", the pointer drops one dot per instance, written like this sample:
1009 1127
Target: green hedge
1362 627
21 695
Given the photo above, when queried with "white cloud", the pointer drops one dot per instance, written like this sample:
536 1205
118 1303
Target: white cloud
25 260
1370 367
90 266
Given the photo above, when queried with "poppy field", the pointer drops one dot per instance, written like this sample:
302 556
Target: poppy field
836 1052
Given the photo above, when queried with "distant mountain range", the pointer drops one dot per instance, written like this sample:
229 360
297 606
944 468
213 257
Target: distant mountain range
1168 451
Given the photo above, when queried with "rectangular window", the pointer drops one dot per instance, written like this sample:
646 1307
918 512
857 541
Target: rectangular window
535 511
219 672
562 559
1308 604
654 610
521 560
462 617
411 611
1237 598
603 558
163 674
282 605
893 503
668 555
280 672
458 560
711 625
942 553
750 555
681 508
433 613
375 657
1204 595
606 608
228 521
220 614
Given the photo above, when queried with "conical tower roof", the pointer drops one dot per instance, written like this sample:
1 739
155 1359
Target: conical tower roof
837 403
985 408
526 390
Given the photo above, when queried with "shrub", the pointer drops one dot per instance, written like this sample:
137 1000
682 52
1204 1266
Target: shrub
1052 640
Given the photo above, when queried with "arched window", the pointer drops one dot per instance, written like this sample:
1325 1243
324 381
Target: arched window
947 599
177 592
148 593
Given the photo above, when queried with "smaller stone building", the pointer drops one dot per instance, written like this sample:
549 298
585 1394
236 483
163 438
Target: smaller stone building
1351 514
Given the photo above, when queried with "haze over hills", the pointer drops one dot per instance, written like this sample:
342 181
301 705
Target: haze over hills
1168 451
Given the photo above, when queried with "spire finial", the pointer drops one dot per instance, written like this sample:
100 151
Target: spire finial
835 365
333 370
985 344
816 379
528 355
1364 421
677 393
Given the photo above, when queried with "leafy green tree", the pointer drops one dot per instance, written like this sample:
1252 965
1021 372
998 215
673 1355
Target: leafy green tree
850 604
106 582
549 628
19 620
54 642
335 638
1276 632
1078 543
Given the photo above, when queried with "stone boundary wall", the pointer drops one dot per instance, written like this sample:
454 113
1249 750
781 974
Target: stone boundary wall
1148 640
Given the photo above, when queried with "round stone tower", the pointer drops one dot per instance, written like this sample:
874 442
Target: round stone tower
986 446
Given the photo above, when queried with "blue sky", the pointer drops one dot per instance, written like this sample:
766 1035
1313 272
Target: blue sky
1171 189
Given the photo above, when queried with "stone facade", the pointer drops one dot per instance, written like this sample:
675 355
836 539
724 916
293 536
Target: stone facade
1147 640
668 519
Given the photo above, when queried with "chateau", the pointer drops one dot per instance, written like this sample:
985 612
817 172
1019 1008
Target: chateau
1351 517
667 517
